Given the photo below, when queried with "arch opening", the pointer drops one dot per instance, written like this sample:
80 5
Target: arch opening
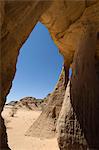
38 60
38 70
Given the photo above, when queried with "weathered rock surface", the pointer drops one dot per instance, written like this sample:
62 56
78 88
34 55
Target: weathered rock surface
85 97
78 118
45 125
70 135
66 22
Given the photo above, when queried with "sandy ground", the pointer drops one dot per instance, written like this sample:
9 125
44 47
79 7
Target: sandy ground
17 127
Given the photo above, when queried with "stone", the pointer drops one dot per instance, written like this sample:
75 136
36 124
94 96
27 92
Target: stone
85 85
66 22
69 134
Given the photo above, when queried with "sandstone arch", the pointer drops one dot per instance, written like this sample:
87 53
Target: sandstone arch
66 21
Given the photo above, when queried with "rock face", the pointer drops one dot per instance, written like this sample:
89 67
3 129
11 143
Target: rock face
45 125
78 119
85 97
67 21
70 135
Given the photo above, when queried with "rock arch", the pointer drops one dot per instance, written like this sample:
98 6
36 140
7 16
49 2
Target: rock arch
67 21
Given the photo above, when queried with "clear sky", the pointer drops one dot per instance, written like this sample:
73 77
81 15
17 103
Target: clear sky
38 67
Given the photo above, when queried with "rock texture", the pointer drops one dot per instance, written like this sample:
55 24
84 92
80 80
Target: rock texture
45 125
70 135
67 22
85 97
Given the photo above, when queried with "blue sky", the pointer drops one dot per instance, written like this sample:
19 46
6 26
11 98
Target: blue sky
38 67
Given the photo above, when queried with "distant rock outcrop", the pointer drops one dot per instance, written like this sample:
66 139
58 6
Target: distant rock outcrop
12 103
29 103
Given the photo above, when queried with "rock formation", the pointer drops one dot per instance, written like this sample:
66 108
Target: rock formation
70 135
81 114
45 125
73 26
30 103
18 18
85 97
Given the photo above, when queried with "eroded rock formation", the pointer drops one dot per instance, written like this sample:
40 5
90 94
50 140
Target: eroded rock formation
78 119
45 125
70 135
85 85
29 103
66 22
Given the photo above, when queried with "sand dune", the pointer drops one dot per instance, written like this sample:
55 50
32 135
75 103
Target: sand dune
17 127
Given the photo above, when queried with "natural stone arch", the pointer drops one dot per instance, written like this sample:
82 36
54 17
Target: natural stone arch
65 26
17 22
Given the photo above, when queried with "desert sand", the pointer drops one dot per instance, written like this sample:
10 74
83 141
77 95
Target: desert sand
17 127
